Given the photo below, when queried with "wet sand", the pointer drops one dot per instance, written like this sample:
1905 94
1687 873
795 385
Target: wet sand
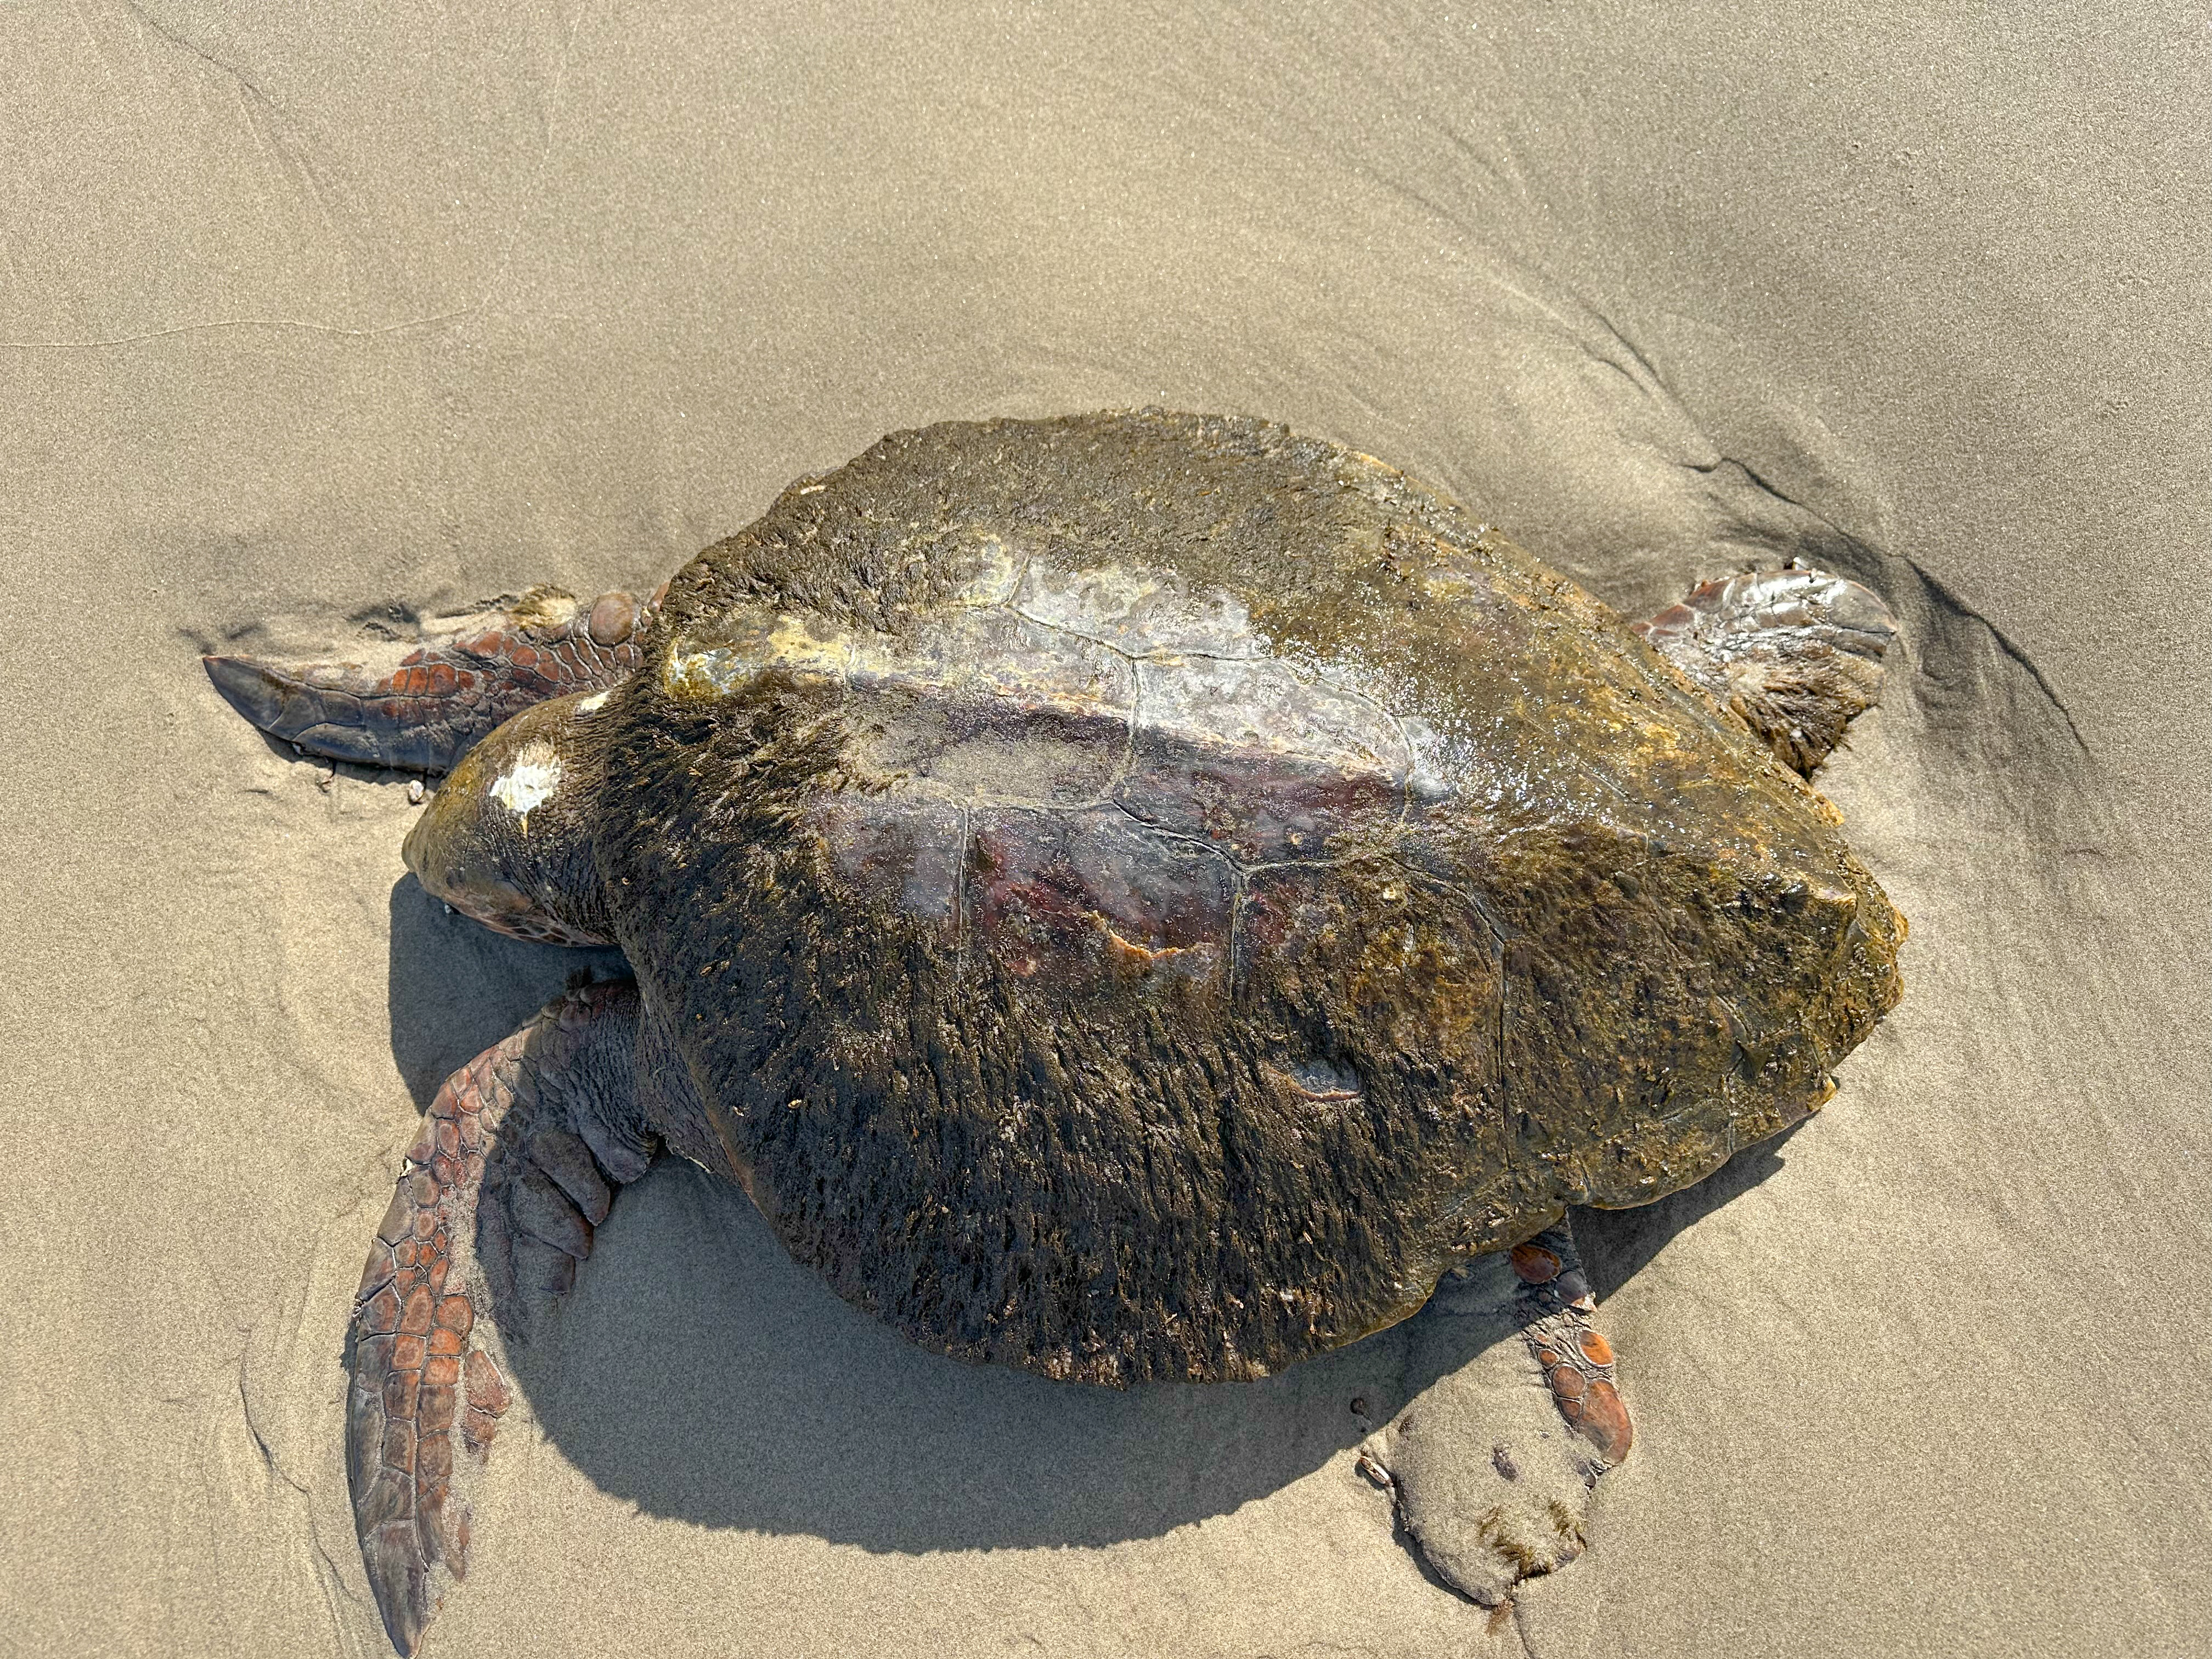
312 327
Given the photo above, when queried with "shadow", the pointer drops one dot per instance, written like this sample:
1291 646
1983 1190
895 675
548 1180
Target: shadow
1617 1244
700 1373
455 987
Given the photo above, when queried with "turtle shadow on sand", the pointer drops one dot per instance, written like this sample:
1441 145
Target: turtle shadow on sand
700 1373
455 987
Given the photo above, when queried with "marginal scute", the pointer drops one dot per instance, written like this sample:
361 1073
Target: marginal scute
1143 895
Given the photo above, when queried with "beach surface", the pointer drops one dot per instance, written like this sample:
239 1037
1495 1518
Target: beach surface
314 327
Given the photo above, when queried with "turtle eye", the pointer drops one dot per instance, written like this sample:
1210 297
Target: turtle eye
495 902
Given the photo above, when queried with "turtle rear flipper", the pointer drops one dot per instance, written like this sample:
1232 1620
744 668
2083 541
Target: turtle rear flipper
514 1167
424 715
1794 652
1492 1465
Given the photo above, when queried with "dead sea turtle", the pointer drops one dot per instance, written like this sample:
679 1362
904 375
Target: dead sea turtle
1135 897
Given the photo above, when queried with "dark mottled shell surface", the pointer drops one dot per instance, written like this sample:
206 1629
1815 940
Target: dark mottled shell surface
1142 895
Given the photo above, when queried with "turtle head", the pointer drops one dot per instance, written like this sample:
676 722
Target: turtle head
508 840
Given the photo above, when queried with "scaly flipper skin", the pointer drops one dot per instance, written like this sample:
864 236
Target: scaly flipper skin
1795 653
1493 1464
514 1167
424 715
1557 1310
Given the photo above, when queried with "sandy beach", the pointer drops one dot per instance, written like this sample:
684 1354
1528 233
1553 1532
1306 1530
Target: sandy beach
312 328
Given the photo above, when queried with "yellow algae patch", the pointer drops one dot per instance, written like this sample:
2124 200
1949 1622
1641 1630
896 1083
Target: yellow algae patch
776 639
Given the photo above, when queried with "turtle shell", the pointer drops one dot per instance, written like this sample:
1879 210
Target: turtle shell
1141 895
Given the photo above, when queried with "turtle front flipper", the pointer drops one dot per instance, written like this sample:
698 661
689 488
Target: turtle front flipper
1492 1465
515 1165
1795 654
423 716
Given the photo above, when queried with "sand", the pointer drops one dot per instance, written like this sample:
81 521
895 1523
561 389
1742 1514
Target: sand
391 306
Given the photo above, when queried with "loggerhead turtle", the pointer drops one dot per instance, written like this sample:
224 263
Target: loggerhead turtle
1133 897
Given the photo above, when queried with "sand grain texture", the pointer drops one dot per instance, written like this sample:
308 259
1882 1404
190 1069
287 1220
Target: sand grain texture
389 308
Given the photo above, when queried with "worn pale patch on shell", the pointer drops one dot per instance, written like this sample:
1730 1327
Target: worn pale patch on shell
1139 613
1043 690
1246 707
1428 778
530 781
904 853
991 707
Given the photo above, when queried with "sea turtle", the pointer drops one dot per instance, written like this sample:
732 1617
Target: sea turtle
1138 897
